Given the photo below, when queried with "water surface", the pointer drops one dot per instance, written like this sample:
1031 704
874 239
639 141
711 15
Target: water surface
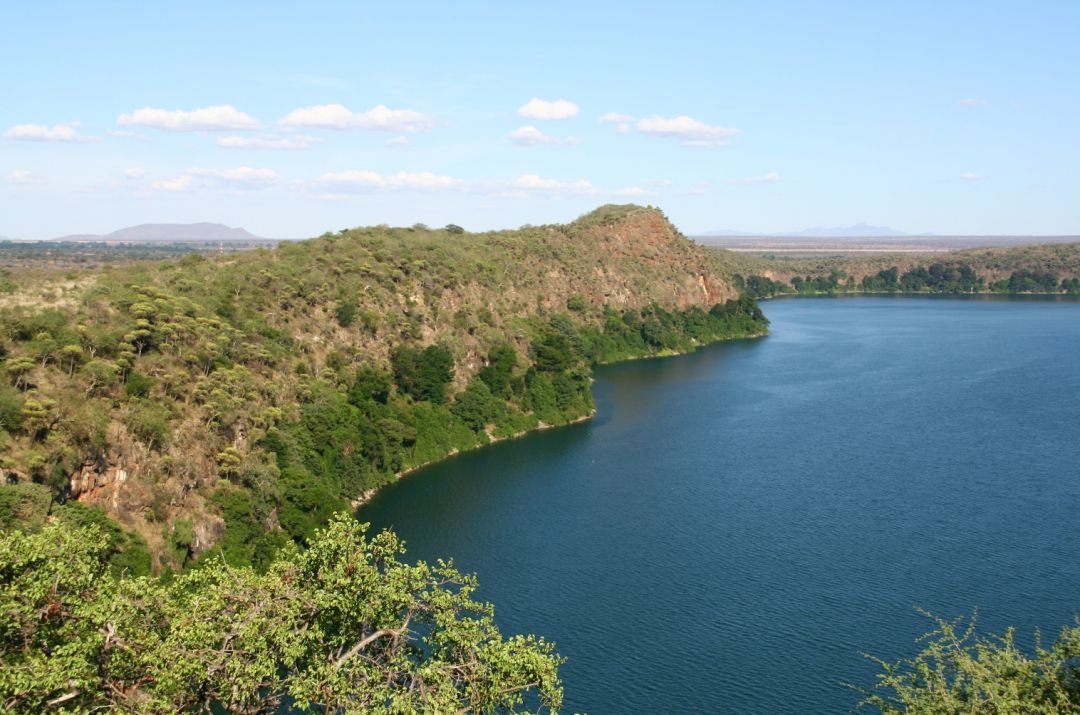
737 526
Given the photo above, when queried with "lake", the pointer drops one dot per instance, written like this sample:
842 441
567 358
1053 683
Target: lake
736 527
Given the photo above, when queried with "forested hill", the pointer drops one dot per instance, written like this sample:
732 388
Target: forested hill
235 402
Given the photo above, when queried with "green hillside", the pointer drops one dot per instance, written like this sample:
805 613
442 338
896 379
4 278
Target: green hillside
235 402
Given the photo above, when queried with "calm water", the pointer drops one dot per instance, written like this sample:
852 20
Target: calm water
737 526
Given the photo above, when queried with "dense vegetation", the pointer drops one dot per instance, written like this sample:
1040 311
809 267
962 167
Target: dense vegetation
344 626
1049 269
233 403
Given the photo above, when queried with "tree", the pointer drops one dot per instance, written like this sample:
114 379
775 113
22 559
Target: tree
502 360
370 384
961 672
19 367
346 313
423 374
344 626
474 406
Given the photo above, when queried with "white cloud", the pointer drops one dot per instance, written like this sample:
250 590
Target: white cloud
398 141
537 108
974 102
970 176
621 121
180 183
134 172
770 178
529 135
121 133
45 133
692 132
403 180
22 176
379 118
534 183
207 119
240 177
245 175
631 191
266 142
659 182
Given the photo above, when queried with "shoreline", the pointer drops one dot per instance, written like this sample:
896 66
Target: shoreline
367 495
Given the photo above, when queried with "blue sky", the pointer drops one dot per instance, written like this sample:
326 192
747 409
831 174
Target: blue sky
290 119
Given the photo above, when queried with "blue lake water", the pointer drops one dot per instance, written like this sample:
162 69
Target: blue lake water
736 527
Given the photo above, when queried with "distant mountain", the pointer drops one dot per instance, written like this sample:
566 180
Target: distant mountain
859 230
169 232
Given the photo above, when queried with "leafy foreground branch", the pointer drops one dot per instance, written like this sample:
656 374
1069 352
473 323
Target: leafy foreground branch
961 672
343 626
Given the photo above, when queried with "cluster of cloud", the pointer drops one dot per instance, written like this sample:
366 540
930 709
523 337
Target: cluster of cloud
227 118
238 130
378 118
690 131
241 177
529 135
207 119
365 181
45 133
537 108
970 176
544 110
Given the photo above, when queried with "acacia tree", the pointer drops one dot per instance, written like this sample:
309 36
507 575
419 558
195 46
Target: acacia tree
343 626
960 672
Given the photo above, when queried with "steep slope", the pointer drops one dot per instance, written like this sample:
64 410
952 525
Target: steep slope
238 400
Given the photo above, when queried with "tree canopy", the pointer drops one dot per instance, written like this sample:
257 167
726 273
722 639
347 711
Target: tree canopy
343 626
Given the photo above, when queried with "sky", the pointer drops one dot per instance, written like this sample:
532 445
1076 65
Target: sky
292 119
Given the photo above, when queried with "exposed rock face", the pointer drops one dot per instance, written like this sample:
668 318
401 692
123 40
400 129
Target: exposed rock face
208 531
93 477
691 276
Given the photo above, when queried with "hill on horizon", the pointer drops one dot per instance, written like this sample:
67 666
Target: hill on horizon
154 232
